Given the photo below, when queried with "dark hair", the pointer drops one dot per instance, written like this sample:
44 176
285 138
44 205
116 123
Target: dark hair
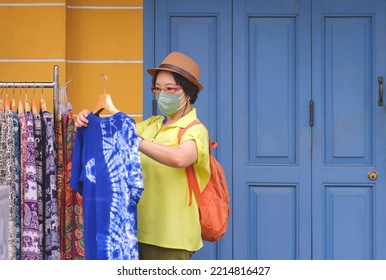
189 88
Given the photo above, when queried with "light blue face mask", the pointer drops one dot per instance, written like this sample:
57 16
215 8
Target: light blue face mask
169 104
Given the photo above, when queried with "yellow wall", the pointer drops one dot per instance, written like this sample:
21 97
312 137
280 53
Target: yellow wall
85 38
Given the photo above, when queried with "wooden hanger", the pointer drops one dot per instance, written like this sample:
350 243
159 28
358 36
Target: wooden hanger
27 107
7 104
20 106
7 101
13 105
43 105
13 102
1 100
105 102
34 104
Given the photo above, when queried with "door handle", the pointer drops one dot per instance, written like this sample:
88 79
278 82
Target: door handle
380 83
372 175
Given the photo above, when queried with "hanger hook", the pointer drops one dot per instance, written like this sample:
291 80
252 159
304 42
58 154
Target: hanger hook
6 91
33 94
26 91
42 92
68 83
2 89
104 75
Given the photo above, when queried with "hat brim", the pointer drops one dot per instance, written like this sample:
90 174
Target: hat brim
152 72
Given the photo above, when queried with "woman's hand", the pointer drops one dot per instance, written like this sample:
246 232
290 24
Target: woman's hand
82 120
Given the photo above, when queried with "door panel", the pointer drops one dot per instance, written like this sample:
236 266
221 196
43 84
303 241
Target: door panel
348 55
280 203
272 90
272 174
348 219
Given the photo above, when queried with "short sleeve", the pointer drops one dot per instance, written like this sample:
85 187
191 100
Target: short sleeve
200 135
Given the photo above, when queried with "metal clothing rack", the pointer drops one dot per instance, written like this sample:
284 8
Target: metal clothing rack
54 84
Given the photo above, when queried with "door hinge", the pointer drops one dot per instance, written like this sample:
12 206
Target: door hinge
311 113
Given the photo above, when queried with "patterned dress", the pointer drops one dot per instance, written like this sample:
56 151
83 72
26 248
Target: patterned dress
73 201
30 235
60 180
39 173
7 175
17 184
107 172
52 250
23 161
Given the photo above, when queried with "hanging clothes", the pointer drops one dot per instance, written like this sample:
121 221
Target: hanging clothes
106 171
37 122
23 180
60 136
28 178
7 175
17 187
44 214
30 231
51 225
59 180
73 201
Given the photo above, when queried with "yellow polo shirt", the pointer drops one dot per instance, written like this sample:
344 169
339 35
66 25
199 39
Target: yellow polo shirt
164 217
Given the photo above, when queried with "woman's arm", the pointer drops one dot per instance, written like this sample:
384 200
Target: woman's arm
180 157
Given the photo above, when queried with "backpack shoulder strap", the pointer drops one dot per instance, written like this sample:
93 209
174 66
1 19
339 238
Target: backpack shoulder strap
184 129
192 180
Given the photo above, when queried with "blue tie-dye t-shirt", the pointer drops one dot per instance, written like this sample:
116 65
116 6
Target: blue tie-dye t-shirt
107 172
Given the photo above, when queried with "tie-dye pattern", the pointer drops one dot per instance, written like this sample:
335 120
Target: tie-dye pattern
107 172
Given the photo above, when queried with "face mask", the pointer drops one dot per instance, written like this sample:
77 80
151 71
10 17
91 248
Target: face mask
169 104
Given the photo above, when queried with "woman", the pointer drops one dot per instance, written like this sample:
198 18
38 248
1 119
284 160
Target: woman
168 228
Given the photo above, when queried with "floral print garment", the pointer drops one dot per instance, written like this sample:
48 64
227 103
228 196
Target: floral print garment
73 201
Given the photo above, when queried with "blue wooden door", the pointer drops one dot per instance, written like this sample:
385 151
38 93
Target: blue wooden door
309 175
349 135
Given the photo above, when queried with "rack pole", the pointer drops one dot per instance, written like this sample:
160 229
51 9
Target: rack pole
27 84
54 85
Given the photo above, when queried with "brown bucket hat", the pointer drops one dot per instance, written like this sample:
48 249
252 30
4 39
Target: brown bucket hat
179 63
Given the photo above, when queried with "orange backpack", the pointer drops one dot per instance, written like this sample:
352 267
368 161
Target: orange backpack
214 200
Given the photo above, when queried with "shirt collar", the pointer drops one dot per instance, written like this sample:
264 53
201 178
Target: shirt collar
187 119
